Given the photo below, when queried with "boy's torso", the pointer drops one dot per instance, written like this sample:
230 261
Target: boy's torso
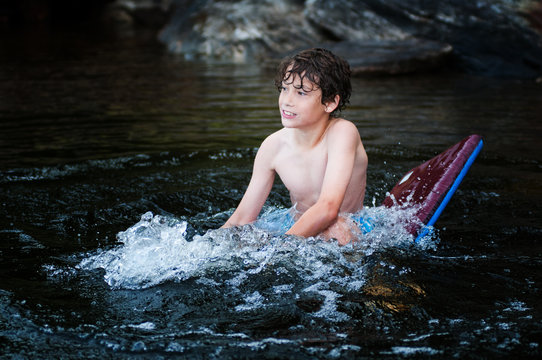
302 171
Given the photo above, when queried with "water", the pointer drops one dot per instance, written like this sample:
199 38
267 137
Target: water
118 162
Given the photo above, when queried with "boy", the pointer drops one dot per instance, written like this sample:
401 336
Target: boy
318 156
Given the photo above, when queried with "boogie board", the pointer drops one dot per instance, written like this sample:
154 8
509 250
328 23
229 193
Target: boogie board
431 185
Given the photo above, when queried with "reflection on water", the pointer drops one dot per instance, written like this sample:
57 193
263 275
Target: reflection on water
98 131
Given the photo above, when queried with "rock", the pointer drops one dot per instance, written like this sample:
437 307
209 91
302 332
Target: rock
532 11
351 20
145 13
488 37
392 57
238 31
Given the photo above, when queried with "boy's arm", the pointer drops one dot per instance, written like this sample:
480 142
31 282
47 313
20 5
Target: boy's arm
342 145
261 182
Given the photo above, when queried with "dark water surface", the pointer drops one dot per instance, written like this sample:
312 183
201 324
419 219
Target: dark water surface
98 131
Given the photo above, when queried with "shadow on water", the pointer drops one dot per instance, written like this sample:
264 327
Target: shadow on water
96 132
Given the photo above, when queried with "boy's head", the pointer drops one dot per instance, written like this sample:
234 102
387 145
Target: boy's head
324 69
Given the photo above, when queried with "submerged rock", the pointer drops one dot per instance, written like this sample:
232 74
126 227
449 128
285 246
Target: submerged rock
496 38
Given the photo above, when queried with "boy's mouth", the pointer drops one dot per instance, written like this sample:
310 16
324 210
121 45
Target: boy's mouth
288 114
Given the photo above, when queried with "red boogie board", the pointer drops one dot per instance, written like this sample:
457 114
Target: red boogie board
432 184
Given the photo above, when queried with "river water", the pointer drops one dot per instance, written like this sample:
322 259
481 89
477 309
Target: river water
118 161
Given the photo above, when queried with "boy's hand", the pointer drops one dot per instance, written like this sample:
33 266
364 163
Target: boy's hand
343 229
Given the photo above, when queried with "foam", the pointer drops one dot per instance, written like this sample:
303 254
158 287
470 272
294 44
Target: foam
258 268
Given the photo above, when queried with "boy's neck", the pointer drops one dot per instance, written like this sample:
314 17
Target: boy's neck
311 136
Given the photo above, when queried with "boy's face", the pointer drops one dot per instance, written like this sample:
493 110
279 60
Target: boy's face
300 106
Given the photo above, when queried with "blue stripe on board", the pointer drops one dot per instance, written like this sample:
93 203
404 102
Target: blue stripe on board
427 228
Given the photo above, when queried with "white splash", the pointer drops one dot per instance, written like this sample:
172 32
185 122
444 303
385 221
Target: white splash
156 250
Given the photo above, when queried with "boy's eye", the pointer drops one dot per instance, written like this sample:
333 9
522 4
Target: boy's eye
302 93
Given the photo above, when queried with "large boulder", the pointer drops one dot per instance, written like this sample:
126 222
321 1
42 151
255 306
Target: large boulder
490 37
239 31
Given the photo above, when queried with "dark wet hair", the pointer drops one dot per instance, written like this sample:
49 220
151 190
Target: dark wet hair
323 68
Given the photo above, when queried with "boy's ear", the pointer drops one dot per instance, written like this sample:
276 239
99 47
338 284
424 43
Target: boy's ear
332 105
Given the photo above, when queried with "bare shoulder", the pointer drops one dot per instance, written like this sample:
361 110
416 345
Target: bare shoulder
344 130
269 149
273 141
344 138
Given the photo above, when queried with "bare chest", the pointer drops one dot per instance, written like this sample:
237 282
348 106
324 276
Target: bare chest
302 172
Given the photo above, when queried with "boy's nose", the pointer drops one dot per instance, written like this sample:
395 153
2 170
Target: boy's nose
287 98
